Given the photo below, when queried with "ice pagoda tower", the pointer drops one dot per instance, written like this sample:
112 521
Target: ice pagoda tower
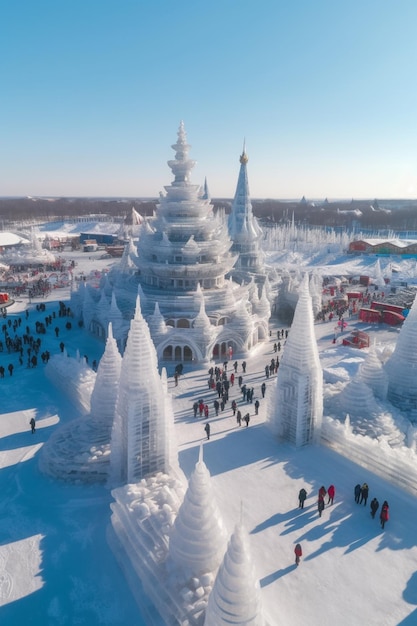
182 267
402 367
140 435
296 407
245 231
184 256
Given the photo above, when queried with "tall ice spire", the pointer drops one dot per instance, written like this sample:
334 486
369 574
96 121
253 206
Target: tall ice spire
139 437
296 409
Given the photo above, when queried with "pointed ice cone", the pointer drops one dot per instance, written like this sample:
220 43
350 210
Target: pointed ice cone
235 597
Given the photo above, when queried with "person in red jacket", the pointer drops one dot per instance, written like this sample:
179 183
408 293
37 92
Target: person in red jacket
331 493
298 553
384 515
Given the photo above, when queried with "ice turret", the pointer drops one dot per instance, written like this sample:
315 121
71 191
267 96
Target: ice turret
296 409
139 437
244 228
198 538
157 324
103 308
236 595
402 366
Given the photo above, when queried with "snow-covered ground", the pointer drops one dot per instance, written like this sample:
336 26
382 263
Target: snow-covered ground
55 564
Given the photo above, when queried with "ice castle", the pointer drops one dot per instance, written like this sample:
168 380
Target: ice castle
195 278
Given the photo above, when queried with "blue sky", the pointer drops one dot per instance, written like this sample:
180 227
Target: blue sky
324 93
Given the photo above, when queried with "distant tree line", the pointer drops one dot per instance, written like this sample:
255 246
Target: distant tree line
363 214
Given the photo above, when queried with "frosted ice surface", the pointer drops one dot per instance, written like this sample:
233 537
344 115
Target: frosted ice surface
198 539
235 597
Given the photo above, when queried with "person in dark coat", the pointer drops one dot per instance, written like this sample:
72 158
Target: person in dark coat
320 505
374 507
247 419
364 494
263 389
331 493
298 553
207 429
384 515
256 407
239 418
302 495
357 493
32 424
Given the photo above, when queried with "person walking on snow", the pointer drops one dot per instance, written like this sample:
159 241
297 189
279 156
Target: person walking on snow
320 505
302 495
384 515
322 492
298 553
207 429
374 507
331 493
32 424
364 494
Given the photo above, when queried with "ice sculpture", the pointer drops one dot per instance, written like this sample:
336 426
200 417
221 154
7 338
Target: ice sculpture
373 374
244 229
197 541
174 543
139 444
296 406
402 366
184 251
357 399
79 451
236 595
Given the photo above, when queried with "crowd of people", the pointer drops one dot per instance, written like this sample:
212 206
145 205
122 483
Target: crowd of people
231 379
361 493
23 336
